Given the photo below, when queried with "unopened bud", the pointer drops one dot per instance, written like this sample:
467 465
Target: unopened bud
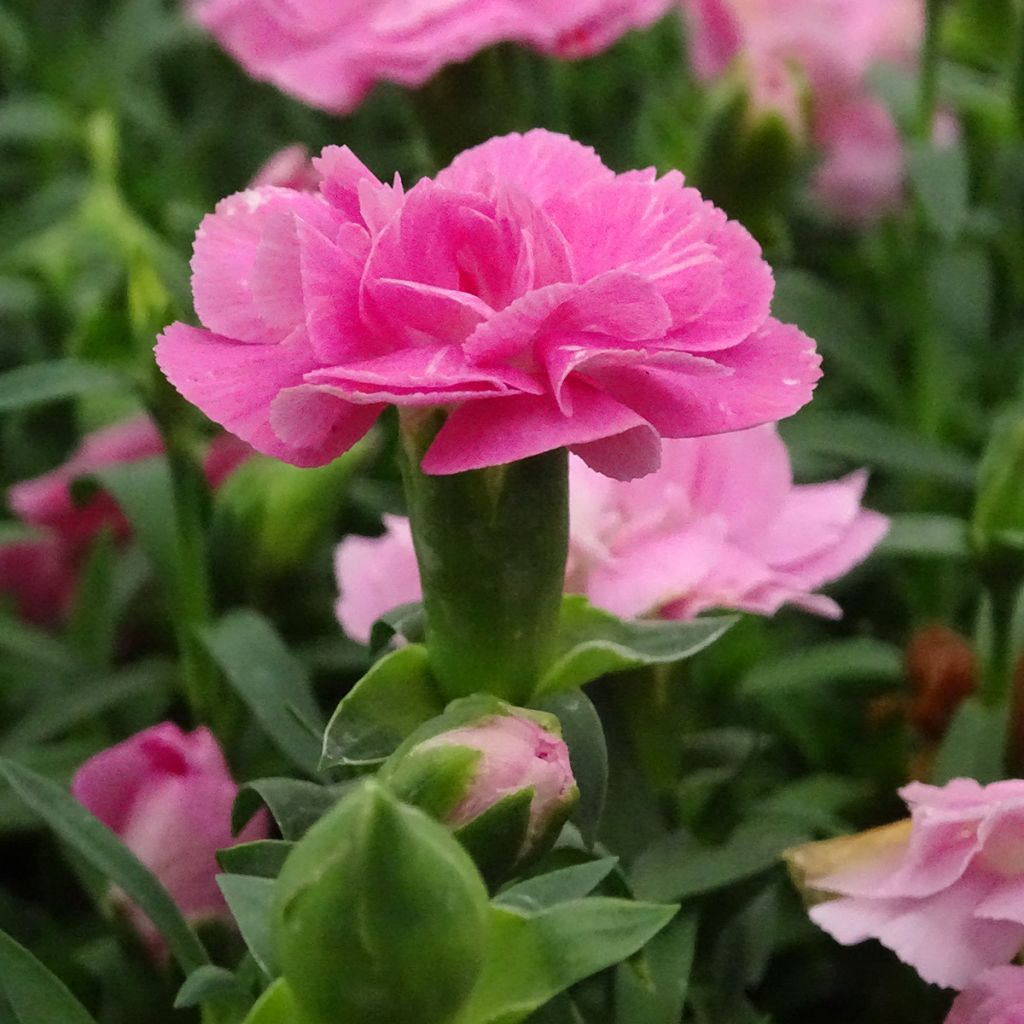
499 776
381 916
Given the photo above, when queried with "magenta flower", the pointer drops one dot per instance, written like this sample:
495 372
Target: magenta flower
995 997
291 167
782 47
36 578
332 54
168 795
949 900
541 299
721 524
40 573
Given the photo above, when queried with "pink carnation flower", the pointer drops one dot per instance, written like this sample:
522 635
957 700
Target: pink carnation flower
541 299
40 573
36 578
168 795
950 900
826 46
995 997
331 54
721 524
291 167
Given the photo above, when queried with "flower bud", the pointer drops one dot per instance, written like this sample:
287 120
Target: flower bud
499 776
380 916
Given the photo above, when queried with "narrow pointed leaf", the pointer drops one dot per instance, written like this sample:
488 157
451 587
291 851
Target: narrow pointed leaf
35 994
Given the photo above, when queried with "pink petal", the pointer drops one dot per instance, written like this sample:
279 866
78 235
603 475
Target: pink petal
539 164
236 384
374 575
490 432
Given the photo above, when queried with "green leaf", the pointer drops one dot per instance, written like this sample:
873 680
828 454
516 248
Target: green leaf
532 958
251 902
36 645
840 329
593 643
677 867
38 383
91 697
72 823
276 1006
588 754
407 621
939 178
926 535
561 886
837 662
392 700
294 803
145 494
974 745
651 988
35 994
264 857
94 616
208 982
878 445
272 682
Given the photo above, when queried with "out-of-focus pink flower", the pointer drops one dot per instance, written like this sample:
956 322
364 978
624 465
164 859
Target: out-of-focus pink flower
35 575
40 573
291 167
539 297
331 53
721 524
995 997
516 753
949 901
168 795
826 47
375 574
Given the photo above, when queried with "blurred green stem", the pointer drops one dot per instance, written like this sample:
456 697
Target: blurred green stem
491 545
929 79
1018 75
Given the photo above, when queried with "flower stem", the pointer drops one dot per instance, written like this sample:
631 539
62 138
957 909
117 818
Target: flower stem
929 78
491 545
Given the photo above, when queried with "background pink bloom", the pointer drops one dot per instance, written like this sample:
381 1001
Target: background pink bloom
827 47
721 524
36 577
40 573
291 167
541 298
168 795
995 997
331 54
950 902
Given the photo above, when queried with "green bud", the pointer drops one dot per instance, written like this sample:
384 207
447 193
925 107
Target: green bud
380 916
498 775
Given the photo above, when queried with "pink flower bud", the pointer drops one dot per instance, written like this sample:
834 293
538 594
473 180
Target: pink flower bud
516 753
168 795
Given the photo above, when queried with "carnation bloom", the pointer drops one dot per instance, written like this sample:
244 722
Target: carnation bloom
995 997
949 898
827 47
331 54
721 524
539 298
290 167
40 572
168 795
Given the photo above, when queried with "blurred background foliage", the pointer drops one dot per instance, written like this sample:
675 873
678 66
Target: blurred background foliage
121 125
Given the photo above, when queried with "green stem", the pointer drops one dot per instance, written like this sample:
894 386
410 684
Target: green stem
492 546
1018 76
929 79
